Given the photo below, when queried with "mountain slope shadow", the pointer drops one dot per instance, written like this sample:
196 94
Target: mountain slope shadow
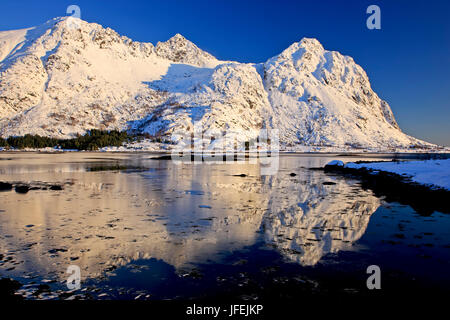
181 78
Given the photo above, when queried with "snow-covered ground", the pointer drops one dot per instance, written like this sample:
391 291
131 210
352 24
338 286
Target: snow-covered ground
427 172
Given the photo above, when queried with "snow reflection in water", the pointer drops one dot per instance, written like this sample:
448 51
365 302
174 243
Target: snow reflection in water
181 214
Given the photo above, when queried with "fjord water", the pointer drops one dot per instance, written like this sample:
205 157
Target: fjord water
158 229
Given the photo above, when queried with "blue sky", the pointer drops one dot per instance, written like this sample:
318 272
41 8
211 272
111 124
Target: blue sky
408 60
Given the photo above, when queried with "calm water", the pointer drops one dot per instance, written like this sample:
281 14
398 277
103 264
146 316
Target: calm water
154 229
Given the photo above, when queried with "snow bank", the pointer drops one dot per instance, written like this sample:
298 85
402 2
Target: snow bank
429 172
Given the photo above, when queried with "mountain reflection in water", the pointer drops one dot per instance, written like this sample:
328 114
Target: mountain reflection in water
181 214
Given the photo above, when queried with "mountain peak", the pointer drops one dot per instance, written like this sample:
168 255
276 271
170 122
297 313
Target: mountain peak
60 22
310 42
178 37
179 49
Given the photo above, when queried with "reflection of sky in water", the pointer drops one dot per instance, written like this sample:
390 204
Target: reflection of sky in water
182 215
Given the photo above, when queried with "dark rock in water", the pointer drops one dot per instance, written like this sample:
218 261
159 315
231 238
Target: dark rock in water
240 175
164 157
329 183
194 274
7 289
292 174
4 186
240 262
41 288
57 250
22 189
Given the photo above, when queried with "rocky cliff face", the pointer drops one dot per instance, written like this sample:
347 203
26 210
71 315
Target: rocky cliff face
59 80
321 97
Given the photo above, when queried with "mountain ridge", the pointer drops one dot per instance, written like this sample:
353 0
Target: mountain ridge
59 80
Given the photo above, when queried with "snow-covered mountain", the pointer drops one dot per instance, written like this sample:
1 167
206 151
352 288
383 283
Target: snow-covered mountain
59 80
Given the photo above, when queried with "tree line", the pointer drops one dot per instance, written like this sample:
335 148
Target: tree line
91 140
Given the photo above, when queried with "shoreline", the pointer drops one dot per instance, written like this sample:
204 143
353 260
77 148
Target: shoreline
395 187
444 154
